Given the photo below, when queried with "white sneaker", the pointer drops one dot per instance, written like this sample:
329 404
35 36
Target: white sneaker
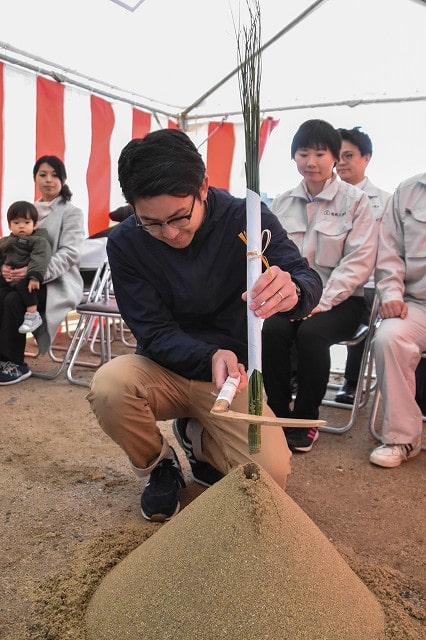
392 455
32 321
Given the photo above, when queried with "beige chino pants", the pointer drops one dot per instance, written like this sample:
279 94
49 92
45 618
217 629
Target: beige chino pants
129 394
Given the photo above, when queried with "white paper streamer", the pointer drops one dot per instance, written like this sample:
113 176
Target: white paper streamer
254 271
227 393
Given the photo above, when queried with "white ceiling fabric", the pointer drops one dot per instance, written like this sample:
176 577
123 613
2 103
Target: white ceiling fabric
173 51
168 53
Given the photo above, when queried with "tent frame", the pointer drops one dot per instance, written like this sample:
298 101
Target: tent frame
183 117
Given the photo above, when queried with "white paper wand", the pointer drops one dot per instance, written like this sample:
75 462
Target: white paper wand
226 395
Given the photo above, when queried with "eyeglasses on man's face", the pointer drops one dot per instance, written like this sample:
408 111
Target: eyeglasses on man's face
155 228
347 156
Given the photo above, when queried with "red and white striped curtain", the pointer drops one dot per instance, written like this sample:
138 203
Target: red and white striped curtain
39 116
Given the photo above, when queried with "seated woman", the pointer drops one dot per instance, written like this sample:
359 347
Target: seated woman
63 286
333 225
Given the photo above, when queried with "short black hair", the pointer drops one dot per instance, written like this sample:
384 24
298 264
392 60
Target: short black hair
22 209
164 162
316 134
359 139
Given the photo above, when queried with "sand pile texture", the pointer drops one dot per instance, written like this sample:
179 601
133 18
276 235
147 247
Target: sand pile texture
241 561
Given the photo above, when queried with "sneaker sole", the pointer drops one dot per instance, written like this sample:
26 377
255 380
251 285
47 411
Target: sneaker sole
391 464
23 377
201 482
160 517
386 464
29 330
344 400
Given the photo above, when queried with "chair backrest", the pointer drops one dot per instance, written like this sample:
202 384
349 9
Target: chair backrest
101 288
93 253
92 264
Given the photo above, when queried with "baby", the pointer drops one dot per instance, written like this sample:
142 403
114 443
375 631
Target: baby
25 246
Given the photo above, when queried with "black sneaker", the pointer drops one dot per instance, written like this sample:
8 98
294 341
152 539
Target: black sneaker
160 498
202 472
301 439
346 393
10 373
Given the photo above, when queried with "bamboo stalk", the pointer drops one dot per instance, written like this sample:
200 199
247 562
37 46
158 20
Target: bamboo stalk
249 76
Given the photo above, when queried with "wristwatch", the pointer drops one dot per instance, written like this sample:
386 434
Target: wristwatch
298 289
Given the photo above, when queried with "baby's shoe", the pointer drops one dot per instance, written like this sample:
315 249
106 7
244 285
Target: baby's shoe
32 321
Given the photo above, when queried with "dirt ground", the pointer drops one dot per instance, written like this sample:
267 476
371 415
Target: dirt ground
70 510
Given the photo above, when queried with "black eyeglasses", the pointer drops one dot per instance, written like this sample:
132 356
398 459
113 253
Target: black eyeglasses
346 156
155 228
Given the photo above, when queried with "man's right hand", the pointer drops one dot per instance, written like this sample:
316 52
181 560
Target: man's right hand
224 364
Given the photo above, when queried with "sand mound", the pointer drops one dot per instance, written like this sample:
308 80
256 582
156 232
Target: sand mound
241 561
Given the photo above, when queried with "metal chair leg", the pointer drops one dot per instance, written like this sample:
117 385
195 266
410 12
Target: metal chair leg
365 384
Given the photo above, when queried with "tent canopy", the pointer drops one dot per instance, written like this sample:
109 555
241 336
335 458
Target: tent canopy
167 54
80 78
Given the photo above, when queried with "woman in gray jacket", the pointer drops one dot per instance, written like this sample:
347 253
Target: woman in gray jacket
63 285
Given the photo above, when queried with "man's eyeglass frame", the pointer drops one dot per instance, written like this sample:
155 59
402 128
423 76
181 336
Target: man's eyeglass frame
347 156
154 228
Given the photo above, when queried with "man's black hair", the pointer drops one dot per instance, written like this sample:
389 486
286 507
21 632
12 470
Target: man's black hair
164 162
359 139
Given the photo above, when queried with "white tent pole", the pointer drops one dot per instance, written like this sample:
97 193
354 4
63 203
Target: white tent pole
351 102
59 77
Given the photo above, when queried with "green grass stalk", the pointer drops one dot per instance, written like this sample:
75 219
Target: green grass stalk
250 68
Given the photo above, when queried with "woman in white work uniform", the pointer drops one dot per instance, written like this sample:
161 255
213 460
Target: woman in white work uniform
332 224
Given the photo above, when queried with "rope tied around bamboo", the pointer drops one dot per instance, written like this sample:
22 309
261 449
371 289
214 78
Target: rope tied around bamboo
256 254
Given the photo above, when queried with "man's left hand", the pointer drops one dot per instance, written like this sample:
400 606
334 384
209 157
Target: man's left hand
273 292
